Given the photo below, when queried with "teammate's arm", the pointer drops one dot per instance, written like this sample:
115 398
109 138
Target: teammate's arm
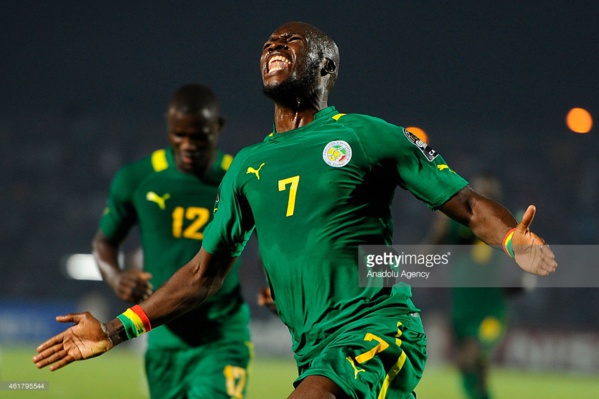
265 299
200 278
130 285
490 222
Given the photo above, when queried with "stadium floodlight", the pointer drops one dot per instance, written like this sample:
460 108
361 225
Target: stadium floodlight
81 267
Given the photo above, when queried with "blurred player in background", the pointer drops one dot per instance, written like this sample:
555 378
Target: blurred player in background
478 314
170 196
320 185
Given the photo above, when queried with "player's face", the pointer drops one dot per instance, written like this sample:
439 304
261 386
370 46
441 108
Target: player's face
286 57
193 138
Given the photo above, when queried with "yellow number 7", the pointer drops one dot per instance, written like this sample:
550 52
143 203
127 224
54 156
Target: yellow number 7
294 182
382 345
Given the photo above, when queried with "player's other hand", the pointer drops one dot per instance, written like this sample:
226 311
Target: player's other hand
84 340
265 299
530 251
133 285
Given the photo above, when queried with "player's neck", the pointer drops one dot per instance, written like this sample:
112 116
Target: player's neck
288 118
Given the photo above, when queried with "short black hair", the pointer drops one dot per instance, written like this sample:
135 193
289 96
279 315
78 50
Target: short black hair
193 98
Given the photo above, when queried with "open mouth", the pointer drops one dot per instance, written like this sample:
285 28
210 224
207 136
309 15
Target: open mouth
278 63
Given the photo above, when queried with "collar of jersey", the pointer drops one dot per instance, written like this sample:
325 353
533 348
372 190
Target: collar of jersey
320 117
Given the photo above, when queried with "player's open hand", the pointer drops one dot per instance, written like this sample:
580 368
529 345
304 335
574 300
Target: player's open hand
530 251
84 340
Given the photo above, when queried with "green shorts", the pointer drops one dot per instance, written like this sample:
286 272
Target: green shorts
379 358
217 370
487 330
479 314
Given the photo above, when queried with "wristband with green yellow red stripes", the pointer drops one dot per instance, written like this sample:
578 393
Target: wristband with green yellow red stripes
507 242
135 321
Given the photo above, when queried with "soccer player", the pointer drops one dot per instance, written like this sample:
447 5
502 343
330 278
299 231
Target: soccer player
170 196
478 314
316 188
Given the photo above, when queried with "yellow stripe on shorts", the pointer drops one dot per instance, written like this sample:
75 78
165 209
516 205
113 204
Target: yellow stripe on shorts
392 374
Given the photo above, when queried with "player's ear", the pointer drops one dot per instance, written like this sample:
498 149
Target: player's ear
329 67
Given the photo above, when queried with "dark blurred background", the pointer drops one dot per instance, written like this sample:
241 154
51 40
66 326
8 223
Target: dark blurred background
84 86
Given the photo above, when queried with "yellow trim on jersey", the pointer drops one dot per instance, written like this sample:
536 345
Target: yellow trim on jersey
336 117
159 162
227 159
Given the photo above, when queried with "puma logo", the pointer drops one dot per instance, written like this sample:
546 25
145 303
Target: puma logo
356 370
443 166
255 171
160 201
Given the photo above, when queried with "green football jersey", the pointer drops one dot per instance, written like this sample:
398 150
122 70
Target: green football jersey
313 195
172 209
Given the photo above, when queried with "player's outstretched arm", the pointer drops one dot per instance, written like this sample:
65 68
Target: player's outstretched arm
86 339
188 287
496 226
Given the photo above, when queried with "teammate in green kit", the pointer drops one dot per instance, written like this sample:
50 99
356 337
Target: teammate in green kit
318 187
170 196
478 314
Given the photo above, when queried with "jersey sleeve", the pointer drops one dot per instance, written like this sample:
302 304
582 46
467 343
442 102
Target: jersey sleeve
418 168
233 222
119 216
